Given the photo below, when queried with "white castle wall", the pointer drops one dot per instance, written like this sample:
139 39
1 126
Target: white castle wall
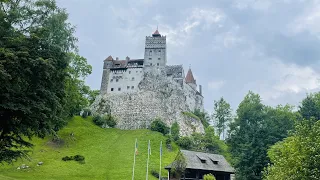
121 81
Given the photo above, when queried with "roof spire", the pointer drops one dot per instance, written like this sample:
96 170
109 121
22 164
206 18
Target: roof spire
189 77
156 33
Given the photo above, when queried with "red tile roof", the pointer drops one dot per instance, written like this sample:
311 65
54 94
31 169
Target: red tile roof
190 78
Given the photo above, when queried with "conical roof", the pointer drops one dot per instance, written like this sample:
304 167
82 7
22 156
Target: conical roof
110 58
189 77
156 32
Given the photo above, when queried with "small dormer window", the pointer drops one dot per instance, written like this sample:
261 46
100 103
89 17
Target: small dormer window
203 160
214 161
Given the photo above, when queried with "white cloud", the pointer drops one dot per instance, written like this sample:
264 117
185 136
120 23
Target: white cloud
215 85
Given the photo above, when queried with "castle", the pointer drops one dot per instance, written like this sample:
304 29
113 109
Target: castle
138 90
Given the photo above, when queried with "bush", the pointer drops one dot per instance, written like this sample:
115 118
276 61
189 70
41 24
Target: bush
159 126
110 120
185 143
209 177
86 113
155 173
78 158
175 130
98 120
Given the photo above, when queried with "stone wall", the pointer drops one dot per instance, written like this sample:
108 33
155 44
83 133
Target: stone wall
158 96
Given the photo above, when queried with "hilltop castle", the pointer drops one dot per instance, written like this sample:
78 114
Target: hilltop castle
136 91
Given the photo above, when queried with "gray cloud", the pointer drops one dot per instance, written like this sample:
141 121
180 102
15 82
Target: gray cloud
233 46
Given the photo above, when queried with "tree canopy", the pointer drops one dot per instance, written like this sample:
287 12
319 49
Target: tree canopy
40 73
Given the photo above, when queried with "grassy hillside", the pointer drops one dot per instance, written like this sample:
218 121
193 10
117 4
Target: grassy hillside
108 154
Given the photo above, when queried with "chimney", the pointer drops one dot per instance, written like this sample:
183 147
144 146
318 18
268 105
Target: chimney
127 58
200 90
117 58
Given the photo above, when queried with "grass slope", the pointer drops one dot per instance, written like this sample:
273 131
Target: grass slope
108 154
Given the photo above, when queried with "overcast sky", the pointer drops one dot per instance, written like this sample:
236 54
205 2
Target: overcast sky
271 47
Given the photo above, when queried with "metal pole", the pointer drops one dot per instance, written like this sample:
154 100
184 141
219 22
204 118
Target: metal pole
134 159
160 160
148 160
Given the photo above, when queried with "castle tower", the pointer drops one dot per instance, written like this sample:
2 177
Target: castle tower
190 79
155 54
107 63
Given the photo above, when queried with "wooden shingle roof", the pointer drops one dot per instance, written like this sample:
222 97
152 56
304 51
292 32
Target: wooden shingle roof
205 161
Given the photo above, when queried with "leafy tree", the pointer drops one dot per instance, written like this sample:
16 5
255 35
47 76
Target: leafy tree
255 129
158 125
179 166
296 157
209 177
175 131
185 143
92 96
110 120
221 115
37 48
203 116
310 106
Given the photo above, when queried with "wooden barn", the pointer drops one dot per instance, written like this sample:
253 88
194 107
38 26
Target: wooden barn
199 164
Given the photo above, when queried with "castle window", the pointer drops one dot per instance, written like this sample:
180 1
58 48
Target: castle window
159 58
119 89
150 64
129 72
132 87
150 53
159 50
157 64
117 80
150 58
136 71
128 87
133 79
111 89
111 80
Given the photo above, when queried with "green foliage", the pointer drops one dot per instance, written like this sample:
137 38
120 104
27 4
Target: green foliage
86 112
222 115
108 154
203 116
78 158
209 177
155 173
159 126
310 106
92 95
185 143
255 129
179 166
40 73
98 120
191 115
296 157
110 120
175 130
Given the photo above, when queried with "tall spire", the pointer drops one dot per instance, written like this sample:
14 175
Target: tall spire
189 77
156 33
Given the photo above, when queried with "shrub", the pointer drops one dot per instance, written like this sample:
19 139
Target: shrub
175 130
98 120
159 126
155 173
86 113
209 177
78 158
110 120
185 143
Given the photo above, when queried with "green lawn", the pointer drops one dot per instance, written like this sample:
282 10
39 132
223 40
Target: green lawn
108 154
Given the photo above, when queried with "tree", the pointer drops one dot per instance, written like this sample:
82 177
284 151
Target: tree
254 130
92 96
175 131
221 115
36 48
179 166
296 157
209 177
203 116
158 125
310 106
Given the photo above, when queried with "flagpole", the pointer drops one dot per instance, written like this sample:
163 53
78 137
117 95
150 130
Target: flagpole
134 158
160 160
148 160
